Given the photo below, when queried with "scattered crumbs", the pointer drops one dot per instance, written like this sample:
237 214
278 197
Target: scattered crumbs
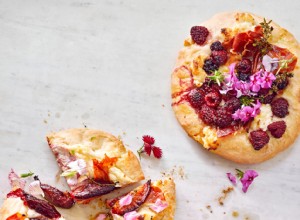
84 125
45 121
124 133
225 192
247 218
187 201
57 115
209 208
175 172
235 214
163 105
120 137
49 113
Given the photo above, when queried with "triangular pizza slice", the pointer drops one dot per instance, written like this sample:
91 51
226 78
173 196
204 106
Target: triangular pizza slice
93 162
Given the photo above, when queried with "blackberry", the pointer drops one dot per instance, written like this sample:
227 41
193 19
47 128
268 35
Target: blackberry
216 46
243 76
219 57
196 98
232 104
207 114
209 66
223 118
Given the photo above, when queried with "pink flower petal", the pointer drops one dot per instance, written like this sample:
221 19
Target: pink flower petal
72 180
232 178
15 180
35 189
248 178
132 216
126 200
159 206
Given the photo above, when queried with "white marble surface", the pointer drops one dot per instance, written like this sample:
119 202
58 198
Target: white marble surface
107 64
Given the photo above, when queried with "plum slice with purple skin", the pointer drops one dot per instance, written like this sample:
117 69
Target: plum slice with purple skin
138 198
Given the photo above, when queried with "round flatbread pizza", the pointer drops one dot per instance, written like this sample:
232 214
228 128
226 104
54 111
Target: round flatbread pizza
235 87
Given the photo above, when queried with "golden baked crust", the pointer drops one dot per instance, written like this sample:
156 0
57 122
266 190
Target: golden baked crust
235 147
91 144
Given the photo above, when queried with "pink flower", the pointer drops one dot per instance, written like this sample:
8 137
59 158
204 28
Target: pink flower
248 178
261 79
35 189
101 217
270 64
232 178
132 216
159 206
15 180
268 80
126 200
247 112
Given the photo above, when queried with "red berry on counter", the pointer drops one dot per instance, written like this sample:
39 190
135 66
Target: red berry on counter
259 139
280 107
277 128
199 34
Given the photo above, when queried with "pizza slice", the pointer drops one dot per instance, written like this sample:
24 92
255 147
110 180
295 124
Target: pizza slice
22 205
150 201
93 162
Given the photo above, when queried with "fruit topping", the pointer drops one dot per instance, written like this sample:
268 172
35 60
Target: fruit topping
216 46
223 118
232 104
196 98
259 139
244 66
199 34
210 65
137 198
213 99
267 99
243 76
219 57
280 107
207 114
277 128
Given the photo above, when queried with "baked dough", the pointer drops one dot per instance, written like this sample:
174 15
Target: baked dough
88 144
167 189
235 147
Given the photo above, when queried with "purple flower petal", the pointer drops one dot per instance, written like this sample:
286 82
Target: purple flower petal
248 178
232 178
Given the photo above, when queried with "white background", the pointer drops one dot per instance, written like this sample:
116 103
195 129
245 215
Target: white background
107 64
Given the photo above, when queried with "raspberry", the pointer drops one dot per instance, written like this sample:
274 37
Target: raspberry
213 99
223 118
277 128
259 138
209 66
216 46
207 114
244 66
280 107
199 34
196 98
268 98
243 76
219 57
263 91
232 104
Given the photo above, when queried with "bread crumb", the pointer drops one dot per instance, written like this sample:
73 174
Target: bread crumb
175 172
225 192
209 208
235 214
45 121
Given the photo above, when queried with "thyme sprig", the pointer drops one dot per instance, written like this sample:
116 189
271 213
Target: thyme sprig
262 43
217 77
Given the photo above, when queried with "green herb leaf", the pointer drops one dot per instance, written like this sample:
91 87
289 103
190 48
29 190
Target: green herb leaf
262 43
217 77
239 173
69 173
246 100
24 175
